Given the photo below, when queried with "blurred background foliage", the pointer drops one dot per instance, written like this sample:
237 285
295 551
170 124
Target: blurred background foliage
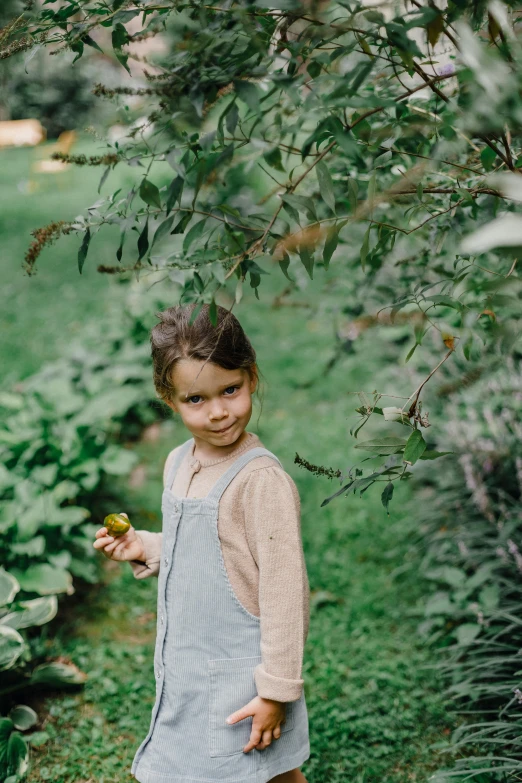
358 168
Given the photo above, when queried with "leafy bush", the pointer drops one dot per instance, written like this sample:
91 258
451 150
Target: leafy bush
59 443
471 520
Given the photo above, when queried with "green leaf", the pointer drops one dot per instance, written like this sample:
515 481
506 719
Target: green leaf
91 42
77 47
193 234
353 190
103 178
57 674
23 717
163 229
430 454
36 611
446 301
284 263
365 247
248 92
120 37
84 247
17 754
44 579
439 603
331 241
12 646
232 118
123 16
326 185
273 158
174 192
150 194
117 461
375 17
467 633
314 69
467 348
386 496
307 259
143 240
302 204
291 210
411 352
330 245
180 227
487 157
415 446
9 587
36 740
336 494
389 444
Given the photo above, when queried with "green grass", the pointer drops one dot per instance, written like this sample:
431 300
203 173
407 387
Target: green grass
41 313
375 706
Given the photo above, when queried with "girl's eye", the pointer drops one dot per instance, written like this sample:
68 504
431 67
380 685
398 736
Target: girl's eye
196 396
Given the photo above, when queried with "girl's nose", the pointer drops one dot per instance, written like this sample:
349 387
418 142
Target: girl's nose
217 413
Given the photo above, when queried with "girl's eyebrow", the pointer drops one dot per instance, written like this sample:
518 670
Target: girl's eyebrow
236 382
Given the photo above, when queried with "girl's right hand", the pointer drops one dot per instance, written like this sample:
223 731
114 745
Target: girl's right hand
126 547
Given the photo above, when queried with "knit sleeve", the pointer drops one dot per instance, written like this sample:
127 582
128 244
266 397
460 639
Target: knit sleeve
152 545
152 541
272 519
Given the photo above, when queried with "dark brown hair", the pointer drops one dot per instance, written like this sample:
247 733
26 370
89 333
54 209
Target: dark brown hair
175 338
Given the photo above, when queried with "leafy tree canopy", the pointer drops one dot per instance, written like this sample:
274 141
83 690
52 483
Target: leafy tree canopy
385 141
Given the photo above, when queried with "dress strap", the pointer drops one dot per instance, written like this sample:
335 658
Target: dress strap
223 482
176 462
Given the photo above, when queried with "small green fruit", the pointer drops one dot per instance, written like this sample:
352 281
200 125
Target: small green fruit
116 524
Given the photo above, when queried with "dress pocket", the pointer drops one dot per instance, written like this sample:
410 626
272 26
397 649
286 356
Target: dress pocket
232 686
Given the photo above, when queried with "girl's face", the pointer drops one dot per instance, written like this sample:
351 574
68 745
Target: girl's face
210 399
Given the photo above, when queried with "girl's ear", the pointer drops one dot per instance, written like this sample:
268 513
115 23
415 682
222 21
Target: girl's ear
171 405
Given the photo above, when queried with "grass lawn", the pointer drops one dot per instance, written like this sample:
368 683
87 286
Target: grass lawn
375 706
41 313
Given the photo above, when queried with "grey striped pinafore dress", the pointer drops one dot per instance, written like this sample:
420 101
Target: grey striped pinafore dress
207 647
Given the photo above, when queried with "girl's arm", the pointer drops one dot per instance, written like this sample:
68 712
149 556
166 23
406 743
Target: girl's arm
272 518
151 541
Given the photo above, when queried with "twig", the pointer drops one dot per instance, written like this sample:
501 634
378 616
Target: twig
425 381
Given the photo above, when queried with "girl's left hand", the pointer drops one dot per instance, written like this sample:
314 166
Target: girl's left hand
268 716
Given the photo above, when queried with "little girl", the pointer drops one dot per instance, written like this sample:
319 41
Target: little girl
233 593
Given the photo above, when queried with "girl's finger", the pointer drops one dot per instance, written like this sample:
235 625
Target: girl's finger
266 739
255 736
277 732
101 532
101 543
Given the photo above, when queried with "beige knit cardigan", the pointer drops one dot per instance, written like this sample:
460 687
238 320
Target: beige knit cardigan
260 533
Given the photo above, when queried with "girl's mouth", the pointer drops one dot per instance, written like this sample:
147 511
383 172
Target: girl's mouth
220 432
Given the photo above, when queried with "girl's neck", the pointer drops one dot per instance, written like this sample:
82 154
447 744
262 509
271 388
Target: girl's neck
205 451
